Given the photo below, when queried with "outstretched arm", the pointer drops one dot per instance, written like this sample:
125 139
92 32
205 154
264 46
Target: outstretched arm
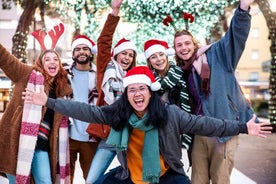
74 109
39 98
209 126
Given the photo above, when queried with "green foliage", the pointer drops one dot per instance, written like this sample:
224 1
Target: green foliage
147 16
260 107
150 14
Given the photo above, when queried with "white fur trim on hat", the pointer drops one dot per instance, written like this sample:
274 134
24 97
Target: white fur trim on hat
153 49
138 78
143 79
86 42
124 46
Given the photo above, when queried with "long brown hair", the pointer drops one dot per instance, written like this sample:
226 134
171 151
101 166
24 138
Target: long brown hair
160 73
180 62
60 80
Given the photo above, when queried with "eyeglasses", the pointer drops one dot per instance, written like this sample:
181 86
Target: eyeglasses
141 90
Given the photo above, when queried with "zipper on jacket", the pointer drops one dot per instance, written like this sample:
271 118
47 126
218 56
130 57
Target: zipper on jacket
234 107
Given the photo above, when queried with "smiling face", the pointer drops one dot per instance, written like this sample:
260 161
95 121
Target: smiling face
51 63
82 54
158 61
184 47
138 95
125 58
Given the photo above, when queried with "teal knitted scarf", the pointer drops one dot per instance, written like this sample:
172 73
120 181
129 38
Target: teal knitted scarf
150 153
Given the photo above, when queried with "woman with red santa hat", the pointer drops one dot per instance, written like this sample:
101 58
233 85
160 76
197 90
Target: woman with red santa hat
173 86
111 68
145 130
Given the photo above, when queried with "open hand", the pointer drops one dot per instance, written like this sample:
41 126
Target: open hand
37 98
258 129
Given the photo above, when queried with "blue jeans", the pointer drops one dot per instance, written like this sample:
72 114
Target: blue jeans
100 163
168 178
40 168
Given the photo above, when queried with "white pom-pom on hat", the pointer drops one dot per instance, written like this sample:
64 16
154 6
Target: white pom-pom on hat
152 46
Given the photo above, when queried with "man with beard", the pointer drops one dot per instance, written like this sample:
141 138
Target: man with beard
82 76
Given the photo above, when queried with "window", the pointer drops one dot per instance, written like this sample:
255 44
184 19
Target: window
254 76
255 55
255 32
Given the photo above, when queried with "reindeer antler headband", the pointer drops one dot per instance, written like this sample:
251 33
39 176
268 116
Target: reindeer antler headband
54 33
187 16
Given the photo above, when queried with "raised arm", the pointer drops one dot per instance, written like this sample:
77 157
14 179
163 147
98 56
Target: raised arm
104 45
13 67
245 4
116 5
230 47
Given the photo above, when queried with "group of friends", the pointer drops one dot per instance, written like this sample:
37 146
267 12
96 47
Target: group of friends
149 109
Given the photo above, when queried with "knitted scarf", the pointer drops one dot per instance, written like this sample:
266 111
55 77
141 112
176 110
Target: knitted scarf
112 71
199 62
63 152
203 69
28 136
150 154
31 118
172 78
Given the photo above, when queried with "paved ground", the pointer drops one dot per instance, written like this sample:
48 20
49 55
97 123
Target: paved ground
255 162
256 158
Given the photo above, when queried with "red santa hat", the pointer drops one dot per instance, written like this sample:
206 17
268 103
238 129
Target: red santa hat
82 39
152 46
141 74
123 44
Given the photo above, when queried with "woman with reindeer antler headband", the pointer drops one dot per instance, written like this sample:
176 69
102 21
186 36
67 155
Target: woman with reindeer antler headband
34 139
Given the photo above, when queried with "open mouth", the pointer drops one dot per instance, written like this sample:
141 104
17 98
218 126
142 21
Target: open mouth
139 102
52 69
